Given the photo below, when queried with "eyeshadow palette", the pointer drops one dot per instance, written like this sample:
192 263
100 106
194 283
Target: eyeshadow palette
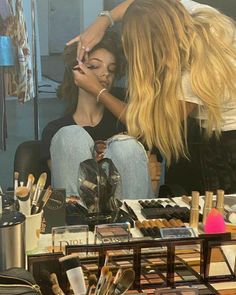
182 213
158 203
178 291
177 233
153 227
114 232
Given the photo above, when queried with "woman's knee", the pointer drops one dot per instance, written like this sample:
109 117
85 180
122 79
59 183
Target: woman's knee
73 136
126 148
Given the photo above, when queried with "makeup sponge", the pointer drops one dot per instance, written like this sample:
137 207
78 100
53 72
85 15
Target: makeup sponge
214 222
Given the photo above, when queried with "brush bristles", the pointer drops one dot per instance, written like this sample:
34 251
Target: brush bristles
16 175
104 270
42 180
22 191
30 181
47 194
125 281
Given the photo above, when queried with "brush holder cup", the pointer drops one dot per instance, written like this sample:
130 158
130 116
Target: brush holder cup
32 231
12 240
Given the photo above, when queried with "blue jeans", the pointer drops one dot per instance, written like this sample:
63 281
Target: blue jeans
71 145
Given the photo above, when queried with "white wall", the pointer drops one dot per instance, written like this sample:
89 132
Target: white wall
90 10
89 14
43 26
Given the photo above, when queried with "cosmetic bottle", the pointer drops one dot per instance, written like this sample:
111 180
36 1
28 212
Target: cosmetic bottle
194 210
74 272
207 205
220 194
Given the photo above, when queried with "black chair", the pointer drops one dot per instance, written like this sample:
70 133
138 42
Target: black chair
27 160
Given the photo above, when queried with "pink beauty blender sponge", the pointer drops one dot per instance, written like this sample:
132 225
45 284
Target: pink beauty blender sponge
214 222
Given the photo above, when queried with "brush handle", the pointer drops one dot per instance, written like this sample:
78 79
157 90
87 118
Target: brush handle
130 211
25 207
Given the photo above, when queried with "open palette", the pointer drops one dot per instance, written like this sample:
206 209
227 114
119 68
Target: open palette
158 264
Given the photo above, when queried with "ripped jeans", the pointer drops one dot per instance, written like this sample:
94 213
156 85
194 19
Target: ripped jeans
71 145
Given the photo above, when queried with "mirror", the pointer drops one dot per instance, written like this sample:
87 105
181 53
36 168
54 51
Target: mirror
58 21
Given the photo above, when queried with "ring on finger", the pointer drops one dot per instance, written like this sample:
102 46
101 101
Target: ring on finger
83 47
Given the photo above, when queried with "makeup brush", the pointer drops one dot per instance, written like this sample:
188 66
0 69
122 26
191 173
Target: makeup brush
92 280
115 281
32 191
23 197
125 281
39 187
51 280
104 272
130 211
56 290
72 265
106 283
30 181
16 184
45 198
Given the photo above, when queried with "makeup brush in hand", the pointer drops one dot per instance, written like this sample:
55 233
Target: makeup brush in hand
39 188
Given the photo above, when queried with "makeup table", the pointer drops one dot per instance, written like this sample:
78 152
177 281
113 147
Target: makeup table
154 257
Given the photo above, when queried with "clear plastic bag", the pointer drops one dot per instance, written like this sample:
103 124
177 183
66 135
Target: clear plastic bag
99 183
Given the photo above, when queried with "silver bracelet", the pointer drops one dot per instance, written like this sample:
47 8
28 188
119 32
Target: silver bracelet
99 93
108 14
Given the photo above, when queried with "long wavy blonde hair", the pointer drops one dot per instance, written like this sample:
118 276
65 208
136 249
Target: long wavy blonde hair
161 41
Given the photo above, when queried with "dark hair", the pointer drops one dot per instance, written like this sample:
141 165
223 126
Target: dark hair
67 89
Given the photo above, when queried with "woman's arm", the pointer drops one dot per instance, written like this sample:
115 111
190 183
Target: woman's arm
95 32
87 80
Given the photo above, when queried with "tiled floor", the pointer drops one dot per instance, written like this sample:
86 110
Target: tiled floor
20 121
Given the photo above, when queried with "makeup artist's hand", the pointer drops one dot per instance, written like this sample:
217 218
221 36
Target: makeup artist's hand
86 79
90 37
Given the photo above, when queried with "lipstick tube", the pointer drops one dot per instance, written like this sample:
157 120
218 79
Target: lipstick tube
220 195
207 205
194 210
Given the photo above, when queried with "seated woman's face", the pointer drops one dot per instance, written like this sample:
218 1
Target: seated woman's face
103 64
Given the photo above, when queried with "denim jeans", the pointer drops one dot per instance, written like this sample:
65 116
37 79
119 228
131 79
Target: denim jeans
71 145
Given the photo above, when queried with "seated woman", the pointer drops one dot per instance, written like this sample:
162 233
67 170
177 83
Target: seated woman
68 141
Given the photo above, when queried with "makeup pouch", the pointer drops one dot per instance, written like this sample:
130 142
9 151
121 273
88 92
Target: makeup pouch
18 281
99 182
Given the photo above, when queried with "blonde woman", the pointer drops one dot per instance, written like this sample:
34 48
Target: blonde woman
181 65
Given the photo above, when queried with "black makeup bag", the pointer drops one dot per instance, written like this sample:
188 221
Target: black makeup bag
18 281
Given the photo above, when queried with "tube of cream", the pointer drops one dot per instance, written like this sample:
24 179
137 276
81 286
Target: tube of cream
72 266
